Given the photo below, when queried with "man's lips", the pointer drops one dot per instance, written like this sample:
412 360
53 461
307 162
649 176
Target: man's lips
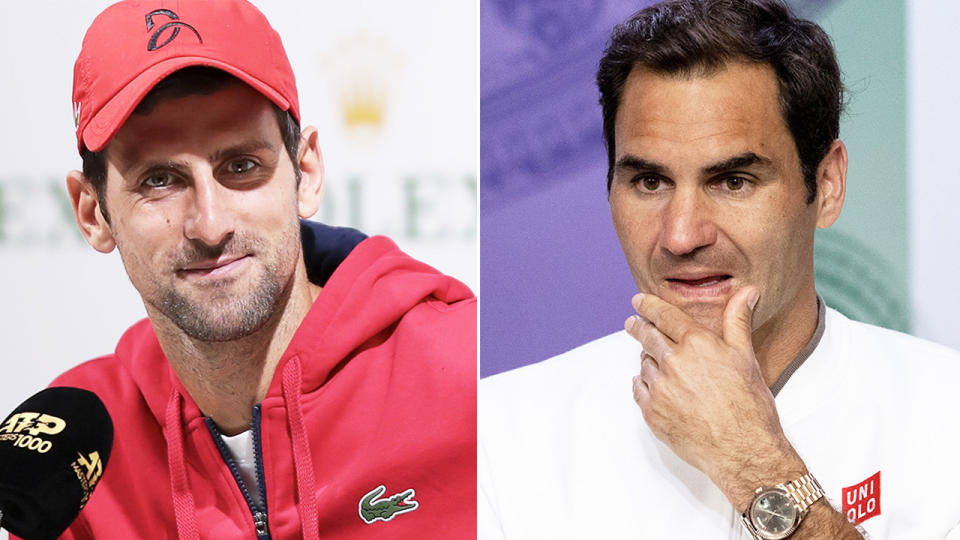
701 285
218 267
699 281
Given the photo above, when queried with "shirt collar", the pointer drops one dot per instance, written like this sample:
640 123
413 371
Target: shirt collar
804 353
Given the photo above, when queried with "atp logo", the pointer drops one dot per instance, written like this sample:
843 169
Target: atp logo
88 469
174 23
34 425
372 507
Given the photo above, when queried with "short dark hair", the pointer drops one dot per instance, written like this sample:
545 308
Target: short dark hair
694 37
186 82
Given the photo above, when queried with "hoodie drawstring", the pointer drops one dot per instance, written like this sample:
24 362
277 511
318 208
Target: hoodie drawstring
183 505
302 458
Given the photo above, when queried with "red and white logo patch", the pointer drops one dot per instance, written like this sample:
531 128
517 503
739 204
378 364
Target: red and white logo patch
862 501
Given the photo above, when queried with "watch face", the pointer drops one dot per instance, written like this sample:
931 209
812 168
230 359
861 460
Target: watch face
773 513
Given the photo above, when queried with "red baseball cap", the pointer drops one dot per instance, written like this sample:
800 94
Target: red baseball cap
134 44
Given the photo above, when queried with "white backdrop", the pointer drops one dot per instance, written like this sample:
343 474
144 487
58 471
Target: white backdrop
391 86
933 117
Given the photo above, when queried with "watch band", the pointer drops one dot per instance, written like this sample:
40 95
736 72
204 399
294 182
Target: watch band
805 491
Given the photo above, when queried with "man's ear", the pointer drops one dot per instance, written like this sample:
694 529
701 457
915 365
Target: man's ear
310 191
831 184
86 208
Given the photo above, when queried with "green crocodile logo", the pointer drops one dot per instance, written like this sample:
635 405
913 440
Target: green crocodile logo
373 508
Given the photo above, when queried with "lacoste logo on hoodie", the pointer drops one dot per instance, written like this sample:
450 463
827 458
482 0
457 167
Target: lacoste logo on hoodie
372 507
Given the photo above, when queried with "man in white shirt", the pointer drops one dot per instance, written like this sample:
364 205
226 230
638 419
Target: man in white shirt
721 121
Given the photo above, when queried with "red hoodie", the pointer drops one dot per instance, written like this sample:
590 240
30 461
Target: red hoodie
377 388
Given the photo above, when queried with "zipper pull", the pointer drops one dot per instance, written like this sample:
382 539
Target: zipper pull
260 522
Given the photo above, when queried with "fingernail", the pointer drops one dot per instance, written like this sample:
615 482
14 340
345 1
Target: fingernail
637 300
628 324
754 296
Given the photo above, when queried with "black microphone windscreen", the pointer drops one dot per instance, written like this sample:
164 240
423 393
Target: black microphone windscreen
53 449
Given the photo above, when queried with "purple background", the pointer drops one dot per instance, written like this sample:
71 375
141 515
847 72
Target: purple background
552 273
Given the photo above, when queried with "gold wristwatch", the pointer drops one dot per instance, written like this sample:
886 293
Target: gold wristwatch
777 511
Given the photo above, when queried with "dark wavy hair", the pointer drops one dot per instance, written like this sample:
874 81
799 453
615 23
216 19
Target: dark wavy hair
698 37
188 81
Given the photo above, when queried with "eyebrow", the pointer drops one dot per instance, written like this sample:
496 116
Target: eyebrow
126 167
637 164
739 161
247 147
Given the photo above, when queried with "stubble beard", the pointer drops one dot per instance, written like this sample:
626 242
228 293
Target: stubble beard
226 314
225 317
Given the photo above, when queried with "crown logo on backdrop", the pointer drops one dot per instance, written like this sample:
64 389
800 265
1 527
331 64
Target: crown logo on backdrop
363 107
363 68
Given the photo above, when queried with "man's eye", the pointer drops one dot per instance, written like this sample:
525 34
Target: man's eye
734 183
241 166
158 180
648 183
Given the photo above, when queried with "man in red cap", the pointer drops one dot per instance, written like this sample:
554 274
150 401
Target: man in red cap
292 380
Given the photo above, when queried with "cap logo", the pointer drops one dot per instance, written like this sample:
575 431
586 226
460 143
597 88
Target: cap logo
175 23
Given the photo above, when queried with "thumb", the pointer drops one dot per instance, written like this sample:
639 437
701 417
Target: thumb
738 318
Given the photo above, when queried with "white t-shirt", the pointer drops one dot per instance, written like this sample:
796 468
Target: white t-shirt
564 452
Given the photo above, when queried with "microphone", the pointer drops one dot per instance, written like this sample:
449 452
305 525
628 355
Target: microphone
53 450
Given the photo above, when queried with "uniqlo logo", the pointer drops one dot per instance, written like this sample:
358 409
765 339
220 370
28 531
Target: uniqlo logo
862 501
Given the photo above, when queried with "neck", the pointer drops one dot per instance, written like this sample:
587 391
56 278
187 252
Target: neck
226 379
779 340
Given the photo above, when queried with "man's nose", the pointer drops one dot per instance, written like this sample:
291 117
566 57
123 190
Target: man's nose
688 223
208 218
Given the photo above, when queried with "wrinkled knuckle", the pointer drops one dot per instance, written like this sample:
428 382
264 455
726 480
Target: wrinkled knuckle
647 327
656 389
641 329
667 361
648 362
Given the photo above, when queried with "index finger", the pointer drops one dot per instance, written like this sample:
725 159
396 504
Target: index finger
670 320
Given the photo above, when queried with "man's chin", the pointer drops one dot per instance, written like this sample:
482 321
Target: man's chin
709 314
222 314
207 325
